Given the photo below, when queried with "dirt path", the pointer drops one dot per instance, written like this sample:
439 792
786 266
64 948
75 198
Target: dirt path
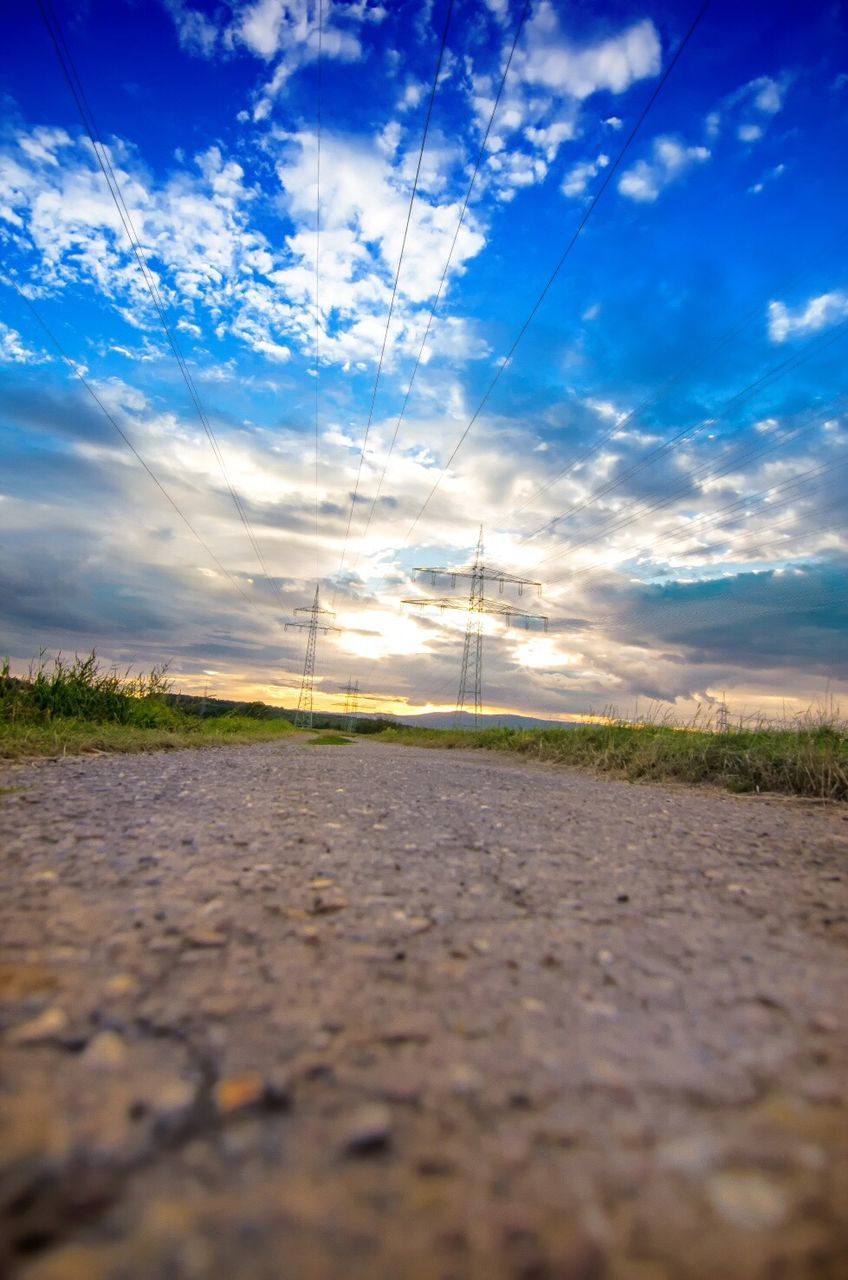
295 1012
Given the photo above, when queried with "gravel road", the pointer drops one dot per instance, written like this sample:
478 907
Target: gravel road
300 1012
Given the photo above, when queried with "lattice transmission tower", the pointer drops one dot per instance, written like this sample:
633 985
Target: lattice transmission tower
303 715
722 721
353 697
477 606
351 703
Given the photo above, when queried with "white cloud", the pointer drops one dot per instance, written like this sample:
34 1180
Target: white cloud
279 32
550 138
412 95
551 76
551 60
767 95
13 349
818 313
749 132
769 176
577 178
195 229
670 159
195 32
499 10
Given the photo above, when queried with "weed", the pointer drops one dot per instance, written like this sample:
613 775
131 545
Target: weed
808 760
74 705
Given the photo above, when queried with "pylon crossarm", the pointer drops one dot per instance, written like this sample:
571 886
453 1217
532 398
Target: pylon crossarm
319 626
483 605
481 574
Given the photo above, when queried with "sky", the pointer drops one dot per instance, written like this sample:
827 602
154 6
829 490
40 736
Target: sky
371 368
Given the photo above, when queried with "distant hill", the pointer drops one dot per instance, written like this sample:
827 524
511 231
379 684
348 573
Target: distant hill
445 720
209 708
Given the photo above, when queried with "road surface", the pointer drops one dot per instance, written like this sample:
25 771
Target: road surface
300 1012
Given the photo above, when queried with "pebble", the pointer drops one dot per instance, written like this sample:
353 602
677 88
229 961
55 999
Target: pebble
52 1022
367 1130
206 938
823 1021
692 1154
105 1052
235 1093
121 984
822 1089
465 1079
746 1199
172 1099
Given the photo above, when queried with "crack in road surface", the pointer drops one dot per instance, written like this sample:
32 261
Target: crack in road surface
376 1011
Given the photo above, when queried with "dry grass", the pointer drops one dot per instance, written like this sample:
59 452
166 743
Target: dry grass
809 759
75 706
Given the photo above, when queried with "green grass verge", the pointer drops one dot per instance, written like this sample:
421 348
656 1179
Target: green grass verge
60 737
802 762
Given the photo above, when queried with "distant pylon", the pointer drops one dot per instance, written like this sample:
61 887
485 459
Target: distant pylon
351 704
353 697
471 676
303 715
722 724
472 650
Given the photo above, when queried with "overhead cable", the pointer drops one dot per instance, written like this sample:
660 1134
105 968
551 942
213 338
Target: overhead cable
317 272
77 371
593 204
438 294
427 117
103 158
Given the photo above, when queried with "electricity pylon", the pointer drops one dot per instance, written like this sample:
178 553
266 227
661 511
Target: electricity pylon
303 715
471 675
353 697
351 703
722 721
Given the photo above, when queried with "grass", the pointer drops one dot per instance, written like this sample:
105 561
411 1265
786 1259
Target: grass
82 737
75 706
806 760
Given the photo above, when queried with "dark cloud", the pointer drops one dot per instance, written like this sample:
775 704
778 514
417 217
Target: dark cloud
787 620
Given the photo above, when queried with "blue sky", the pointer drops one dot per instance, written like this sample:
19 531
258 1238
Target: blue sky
691 351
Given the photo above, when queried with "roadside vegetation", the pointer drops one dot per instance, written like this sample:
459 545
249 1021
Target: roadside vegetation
809 758
76 706
72 706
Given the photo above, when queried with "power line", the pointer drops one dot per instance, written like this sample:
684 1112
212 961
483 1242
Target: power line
709 517
317 268
75 368
429 113
103 158
689 432
705 522
438 294
656 397
610 173
701 475
629 418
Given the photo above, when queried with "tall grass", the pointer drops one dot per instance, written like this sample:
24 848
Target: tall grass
71 705
809 759
81 688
